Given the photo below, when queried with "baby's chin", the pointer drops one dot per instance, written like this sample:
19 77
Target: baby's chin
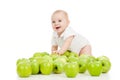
58 31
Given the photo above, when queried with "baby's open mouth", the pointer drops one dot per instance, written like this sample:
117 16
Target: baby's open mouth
57 27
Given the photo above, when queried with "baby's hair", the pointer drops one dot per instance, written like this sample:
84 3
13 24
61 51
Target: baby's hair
61 11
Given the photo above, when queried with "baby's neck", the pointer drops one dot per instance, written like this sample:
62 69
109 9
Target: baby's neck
59 34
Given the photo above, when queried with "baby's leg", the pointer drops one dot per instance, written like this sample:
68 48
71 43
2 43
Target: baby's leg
86 50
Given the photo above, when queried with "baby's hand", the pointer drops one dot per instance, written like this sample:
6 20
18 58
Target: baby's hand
54 52
60 52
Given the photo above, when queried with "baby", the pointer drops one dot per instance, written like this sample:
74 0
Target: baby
65 38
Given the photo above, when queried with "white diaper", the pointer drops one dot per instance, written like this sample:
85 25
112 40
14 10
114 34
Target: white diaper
78 43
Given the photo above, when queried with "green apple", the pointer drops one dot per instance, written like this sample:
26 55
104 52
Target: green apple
103 58
95 68
43 58
36 58
22 60
35 66
82 67
83 60
37 54
73 54
71 69
47 58
62 59
58 66
67 53
24 69
41 54
39 59
73 59
106 64
31 59
44 53
91 59
46 67
54 56
85 56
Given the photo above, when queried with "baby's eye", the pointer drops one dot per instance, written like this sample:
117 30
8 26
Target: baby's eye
59 20
53 21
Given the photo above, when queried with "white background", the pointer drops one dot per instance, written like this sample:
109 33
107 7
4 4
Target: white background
25 28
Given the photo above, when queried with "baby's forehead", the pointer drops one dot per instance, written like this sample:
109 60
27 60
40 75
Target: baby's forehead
60 13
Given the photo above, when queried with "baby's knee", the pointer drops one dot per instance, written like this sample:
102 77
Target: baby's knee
86 50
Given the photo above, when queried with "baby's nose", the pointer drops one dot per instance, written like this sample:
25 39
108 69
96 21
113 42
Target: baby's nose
56 23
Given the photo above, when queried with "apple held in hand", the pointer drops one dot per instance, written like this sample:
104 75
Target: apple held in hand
46 67
24 69
94 68
106 64
71 69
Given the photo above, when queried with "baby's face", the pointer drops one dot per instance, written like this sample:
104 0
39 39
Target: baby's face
59 22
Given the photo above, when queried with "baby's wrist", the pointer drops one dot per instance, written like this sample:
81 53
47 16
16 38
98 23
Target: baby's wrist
53 52
60 52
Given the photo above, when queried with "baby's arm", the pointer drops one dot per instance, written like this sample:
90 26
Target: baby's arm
54 49
66 44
